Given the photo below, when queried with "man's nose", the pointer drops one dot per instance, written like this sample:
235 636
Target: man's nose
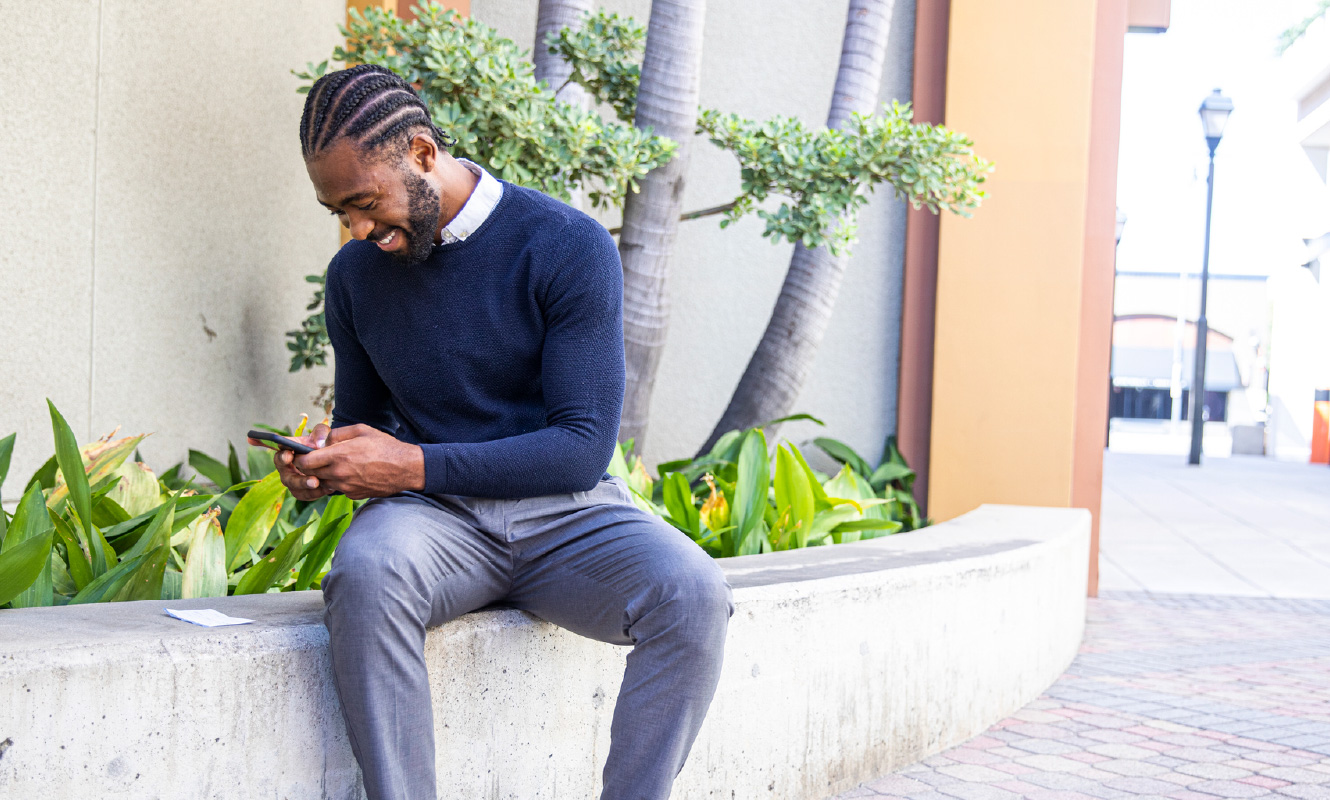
361 227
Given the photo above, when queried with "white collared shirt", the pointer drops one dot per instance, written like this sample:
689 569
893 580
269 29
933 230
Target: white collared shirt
476 209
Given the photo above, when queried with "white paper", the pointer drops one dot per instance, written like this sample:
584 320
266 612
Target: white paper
207 617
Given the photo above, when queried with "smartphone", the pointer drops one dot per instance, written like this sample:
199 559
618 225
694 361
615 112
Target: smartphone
282 442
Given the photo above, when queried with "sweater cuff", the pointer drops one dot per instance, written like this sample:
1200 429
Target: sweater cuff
436 468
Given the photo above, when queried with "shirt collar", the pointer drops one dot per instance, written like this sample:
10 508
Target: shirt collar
477 208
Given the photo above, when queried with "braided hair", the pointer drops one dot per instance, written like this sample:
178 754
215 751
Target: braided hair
368 104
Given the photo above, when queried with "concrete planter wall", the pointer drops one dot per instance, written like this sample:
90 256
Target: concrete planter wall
843 663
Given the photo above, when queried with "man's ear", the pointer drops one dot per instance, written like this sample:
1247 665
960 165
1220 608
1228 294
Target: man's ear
423 152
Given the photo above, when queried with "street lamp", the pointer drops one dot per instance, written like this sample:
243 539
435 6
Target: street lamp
1214 116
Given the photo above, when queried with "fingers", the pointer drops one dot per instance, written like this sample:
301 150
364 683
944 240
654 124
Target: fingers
346 432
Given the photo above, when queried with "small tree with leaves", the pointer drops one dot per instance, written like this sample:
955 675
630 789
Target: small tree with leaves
818 179
482 91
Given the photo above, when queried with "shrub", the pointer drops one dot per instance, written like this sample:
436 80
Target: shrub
94 526
743 499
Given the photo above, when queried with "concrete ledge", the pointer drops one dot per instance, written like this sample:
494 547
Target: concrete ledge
843 663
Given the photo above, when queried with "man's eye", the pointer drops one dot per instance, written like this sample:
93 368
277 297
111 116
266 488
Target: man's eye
368 207
335 212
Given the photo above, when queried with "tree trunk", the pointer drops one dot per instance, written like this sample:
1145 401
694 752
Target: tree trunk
554 15
784 358
667 100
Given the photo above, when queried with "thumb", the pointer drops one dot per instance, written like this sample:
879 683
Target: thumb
319 436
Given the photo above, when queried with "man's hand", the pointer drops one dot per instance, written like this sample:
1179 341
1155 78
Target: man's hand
360 462
302 486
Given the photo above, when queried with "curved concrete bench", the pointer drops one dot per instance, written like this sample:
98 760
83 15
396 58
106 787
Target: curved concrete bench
843 663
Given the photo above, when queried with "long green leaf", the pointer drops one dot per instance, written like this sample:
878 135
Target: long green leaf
336 519
22 564
253 517
146 581
794 493
69 458
30 521
678 497
108 585
210 468
6 452
45 474
205 563
887 472
233 464
276 564
750 492
845 454
80 570
159 530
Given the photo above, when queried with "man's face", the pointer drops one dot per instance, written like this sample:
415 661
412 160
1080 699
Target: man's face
389 201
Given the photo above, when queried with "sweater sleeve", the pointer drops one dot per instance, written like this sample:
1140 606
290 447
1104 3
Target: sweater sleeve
580 293
359 394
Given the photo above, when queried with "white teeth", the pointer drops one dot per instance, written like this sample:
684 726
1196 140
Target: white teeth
388 238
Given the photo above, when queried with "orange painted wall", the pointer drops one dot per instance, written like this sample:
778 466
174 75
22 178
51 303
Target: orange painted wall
1010 280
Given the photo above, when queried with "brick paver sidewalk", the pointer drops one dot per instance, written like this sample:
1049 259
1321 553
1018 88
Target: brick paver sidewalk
1190 697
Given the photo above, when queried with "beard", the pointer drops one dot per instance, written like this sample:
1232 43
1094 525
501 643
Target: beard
423 211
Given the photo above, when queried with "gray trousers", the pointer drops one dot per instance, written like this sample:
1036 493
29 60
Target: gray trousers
591 562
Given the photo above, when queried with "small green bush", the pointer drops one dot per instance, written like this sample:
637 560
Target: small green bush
112 530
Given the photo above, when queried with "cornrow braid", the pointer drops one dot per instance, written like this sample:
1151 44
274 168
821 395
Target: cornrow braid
368 104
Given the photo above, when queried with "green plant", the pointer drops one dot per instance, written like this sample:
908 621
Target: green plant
823 175
742 498
480 89
94 526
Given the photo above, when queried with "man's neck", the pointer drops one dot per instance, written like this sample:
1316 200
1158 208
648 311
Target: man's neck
458 184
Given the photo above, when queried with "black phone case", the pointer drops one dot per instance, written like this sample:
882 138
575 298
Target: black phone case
282 442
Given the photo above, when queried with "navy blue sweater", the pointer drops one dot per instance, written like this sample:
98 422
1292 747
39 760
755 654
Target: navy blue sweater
501 355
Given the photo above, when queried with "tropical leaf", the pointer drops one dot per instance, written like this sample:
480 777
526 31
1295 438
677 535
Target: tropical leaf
252 518
22 564
334 522
750 492
678 498
795 501
205 562
211 468
273 566
145 583
69 458
6 452
31 520
109 584
845 454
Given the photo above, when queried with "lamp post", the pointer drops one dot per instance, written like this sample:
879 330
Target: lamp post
1214 115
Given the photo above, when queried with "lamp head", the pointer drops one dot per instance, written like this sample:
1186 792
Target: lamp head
1214 116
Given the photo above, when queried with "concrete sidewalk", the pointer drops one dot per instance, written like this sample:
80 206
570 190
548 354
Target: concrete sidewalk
1243 525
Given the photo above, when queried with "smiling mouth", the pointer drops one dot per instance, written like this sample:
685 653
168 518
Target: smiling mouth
388 241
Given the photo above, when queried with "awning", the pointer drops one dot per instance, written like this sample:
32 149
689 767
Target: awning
1153 367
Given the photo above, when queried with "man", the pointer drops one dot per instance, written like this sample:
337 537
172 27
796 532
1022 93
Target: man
477 328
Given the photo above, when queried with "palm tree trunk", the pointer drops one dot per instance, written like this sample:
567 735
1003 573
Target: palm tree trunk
553 15
667 98
784 357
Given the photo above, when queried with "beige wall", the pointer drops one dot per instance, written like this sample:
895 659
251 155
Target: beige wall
763 58
161 196
153 192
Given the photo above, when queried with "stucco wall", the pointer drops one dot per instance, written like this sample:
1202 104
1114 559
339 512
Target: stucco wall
154 193
162 223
